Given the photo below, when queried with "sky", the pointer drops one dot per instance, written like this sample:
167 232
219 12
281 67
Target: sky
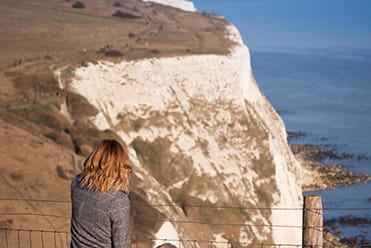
281 25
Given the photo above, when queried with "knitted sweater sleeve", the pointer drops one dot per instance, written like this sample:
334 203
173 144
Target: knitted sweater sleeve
120 221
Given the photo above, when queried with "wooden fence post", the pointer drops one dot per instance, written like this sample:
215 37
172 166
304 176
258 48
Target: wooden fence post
312 222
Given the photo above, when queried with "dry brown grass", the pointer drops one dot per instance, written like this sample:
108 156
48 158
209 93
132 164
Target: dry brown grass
29 169
34 167
46 30
41 149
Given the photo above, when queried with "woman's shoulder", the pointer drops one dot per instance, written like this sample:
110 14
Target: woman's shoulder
121 198
121 194
76 180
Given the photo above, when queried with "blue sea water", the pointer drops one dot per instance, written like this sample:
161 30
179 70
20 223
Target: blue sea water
327 96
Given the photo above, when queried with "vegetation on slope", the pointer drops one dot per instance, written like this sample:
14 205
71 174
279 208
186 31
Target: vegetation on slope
50 30
37 37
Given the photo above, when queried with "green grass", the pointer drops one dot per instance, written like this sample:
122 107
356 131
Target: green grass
155 156
138 124
79 107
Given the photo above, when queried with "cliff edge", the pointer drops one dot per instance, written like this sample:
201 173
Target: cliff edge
210 153
201 132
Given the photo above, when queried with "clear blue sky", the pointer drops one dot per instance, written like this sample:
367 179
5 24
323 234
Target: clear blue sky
297 24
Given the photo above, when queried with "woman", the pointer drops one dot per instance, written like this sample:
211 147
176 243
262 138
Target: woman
100 203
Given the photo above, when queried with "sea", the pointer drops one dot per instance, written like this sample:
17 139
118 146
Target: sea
325 95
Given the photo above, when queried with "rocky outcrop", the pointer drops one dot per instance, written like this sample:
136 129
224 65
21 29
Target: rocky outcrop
320 176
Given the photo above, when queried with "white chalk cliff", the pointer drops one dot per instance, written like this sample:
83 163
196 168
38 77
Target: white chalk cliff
200 132
180 4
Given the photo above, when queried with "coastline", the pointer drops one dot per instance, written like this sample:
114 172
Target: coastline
321 176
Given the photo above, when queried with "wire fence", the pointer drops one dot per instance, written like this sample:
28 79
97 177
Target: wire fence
137 203
19 238
33 238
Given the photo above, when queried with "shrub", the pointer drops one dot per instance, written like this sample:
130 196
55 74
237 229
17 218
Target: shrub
79 107
61 173
137 124
113 53
154 156
117 4
60 138
155 51
48 57
125 15
78 5
44 116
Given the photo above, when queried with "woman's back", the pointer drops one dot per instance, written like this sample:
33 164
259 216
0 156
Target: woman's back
93 212
101 214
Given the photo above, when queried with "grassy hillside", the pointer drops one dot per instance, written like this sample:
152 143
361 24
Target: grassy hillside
45 132
54 30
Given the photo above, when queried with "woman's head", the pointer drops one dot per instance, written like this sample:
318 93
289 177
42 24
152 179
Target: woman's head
166 245
107 168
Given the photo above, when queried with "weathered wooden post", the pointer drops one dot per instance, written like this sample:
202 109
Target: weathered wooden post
312 222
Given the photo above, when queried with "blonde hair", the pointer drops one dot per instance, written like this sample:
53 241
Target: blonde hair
107 168
166 245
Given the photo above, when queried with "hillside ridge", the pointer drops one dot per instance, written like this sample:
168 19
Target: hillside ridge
175 87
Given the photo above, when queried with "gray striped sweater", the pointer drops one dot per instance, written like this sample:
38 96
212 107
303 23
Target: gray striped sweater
99 219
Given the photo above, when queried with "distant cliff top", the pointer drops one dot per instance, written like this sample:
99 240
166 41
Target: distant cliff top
180 4
93 30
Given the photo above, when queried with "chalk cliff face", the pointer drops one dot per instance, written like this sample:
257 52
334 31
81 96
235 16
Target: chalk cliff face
180 4
200 132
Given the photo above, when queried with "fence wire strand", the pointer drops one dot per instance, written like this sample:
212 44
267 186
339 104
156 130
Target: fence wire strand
35 214
317 211
136 203
180 221
218 224
136 240
180 242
